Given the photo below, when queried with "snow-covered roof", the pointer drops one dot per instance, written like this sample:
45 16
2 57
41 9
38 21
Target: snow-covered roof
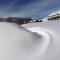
54 13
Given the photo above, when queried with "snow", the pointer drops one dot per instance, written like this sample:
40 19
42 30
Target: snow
55 13
33 41
50 42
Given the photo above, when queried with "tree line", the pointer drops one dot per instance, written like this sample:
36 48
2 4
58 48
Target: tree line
17 20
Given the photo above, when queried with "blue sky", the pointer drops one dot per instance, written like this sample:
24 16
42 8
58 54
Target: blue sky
28 8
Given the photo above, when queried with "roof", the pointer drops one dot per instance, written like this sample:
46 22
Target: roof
55 13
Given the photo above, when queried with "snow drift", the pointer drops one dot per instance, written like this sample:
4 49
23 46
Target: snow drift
49 44
34 41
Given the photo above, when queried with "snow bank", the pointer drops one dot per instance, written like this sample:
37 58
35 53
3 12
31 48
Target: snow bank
34 41
16 43
50 42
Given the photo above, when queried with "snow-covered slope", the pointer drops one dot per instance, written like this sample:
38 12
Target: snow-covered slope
34 41
49 48
16 43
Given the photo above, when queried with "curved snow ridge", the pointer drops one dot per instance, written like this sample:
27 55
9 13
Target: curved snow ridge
46 37
36 43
